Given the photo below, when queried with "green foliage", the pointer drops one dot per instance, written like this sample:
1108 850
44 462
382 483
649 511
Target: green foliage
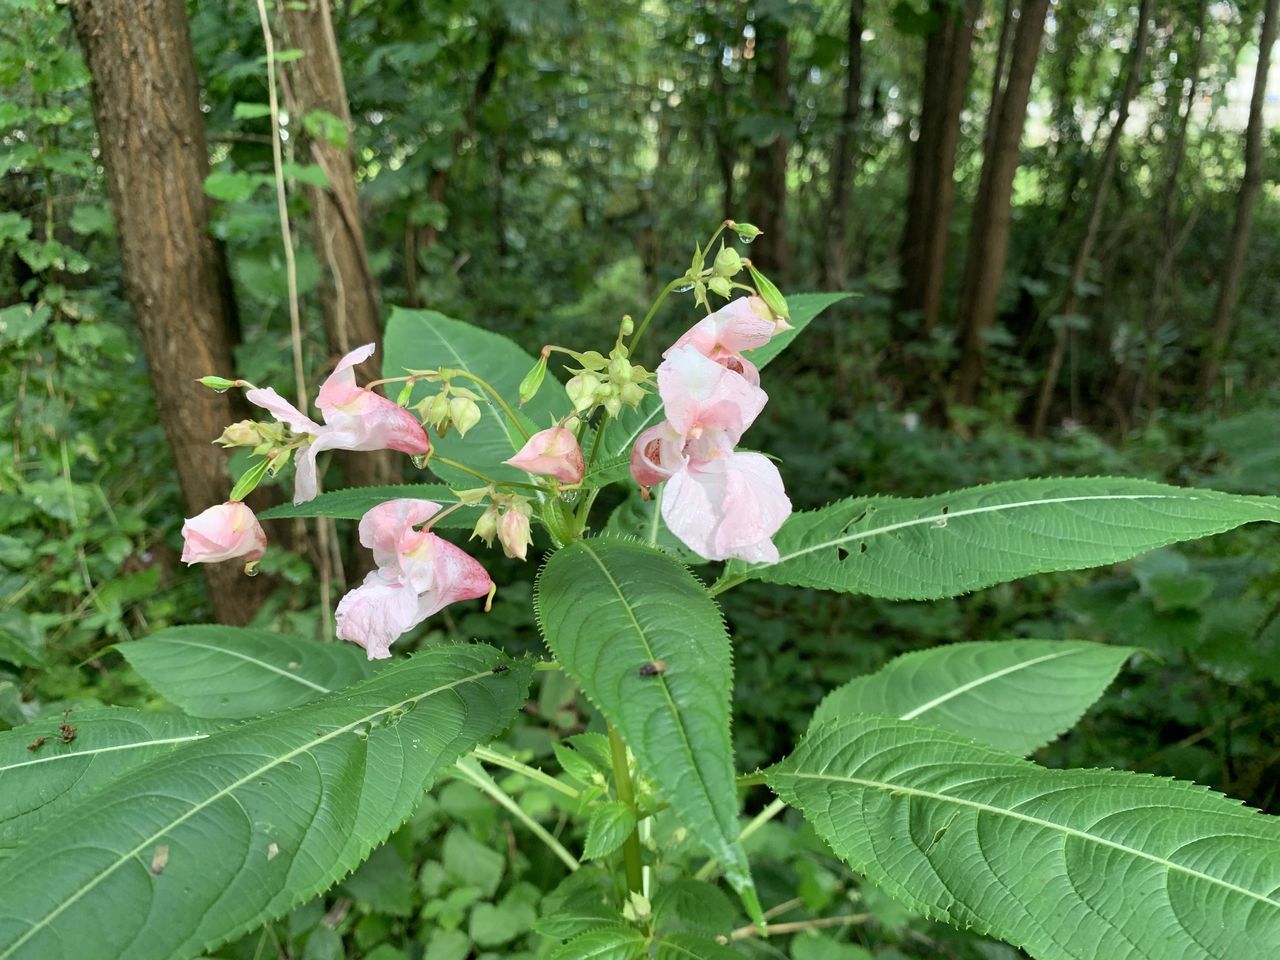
1015 695
278 789
1064 863
953 543
638 633
235 673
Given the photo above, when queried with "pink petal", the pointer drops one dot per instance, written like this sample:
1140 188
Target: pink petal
376 613
306 483
551 453
365 420
223 532
388 529
734 328
656 455
339 384
458 576
698 392
282 410
727 508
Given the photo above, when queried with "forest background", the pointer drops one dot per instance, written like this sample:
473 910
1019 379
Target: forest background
1061 223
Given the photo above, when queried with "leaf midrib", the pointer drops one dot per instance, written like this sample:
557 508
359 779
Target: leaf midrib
662 682
987 678
76 755
988 508
225 792
899 789
254 660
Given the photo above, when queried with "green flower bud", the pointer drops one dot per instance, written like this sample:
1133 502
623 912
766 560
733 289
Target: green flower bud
436 410
487 526
246 433
613 406
727 263
769 293
465 414
746 232
402 400
631 394
532 381
721 286
582 391
219 384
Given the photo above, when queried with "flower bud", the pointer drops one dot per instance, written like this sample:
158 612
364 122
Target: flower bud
720 286
619 369
435 410
465 414
746 232
631 394
224 532
582 391
628 326
246 433
769 293
551 453
513 531
727 263
533 380
487 526
613 406
217 384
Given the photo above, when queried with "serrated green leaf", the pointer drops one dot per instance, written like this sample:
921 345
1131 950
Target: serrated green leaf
612 463
578 904
953 543
426 340
221 835
607 943
235 672
608 826
39 780
609 607
684 946
693 906
1066 864
1016 695
354 502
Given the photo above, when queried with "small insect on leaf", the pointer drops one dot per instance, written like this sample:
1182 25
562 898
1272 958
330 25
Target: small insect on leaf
501 668
159 859
653 668
66 732
37 743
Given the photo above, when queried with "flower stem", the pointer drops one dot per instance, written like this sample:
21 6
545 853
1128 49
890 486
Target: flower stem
482 476
631 859
644 324
515 766
497 397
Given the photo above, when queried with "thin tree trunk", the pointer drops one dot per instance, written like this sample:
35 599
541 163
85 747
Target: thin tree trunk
350 297
767 181
989 230
836 262
1224 311
147 110
948 52
1106 172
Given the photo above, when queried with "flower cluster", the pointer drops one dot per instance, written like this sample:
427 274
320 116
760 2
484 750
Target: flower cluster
720 502
418 574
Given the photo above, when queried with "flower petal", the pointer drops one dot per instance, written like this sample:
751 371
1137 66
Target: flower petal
339 384
376 613
223 532
282 410
698 392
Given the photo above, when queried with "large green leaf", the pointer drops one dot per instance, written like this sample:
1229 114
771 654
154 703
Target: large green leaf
235 672
1067 864
41 773
1016 695
609 608
354 502
952 543
615 447
424 339
212 839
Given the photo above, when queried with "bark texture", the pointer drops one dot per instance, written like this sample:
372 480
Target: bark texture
1224 311
767 181
147 111
989 230
931 189
836 257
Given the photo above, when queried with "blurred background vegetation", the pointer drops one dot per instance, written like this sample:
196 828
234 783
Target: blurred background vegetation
1062 222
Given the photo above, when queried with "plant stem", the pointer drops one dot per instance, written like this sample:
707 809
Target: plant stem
485 477
515 766
644 324
469 770
777 929
708 869
626 793
725 583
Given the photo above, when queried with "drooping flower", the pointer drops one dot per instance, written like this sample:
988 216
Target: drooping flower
355 418
740 325
719 502
418 574
552 453
223 532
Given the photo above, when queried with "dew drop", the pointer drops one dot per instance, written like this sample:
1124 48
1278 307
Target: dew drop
684 288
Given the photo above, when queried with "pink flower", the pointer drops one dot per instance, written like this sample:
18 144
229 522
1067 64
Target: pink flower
513 532
552 453
223 532
720 503
418 574
723 336
355 418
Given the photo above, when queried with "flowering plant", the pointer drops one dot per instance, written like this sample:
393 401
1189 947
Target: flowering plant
293 759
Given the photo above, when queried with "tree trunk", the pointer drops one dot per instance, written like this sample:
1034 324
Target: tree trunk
1224 311
836 261
931 190
767 181
1106 172
989 230
147 109
349 298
